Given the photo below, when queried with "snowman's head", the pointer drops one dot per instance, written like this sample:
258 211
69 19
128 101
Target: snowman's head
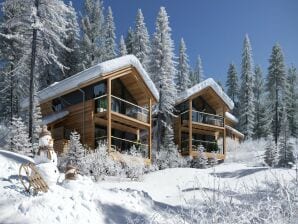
46 141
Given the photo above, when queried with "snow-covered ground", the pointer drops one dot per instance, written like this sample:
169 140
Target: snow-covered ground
154 198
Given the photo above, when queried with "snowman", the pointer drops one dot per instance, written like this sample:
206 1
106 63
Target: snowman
46 158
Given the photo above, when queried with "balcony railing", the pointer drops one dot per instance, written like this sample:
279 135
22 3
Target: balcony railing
125 145
204 118
123 107
209 146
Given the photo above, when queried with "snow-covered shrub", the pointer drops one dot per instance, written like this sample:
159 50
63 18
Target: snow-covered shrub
4 132
250 152
134 166
213 160
76 150
18 139
201 160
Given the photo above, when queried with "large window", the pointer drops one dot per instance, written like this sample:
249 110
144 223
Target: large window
57 105
99 90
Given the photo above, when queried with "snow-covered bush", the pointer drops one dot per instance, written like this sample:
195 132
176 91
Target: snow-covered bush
271 152
134 166
213 160
18 139
201 160
250 152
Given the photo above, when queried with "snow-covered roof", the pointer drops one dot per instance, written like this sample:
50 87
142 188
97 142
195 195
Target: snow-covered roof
234 131
203 85
58 88
54 117
231 117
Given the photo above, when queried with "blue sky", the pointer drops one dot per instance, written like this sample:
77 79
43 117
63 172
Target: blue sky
215 29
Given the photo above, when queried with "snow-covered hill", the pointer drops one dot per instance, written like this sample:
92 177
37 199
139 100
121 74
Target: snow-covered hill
157 198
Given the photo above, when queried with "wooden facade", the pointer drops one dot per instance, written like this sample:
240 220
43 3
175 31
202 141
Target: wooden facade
114 107
201 122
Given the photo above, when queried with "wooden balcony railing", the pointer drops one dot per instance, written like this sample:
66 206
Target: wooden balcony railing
209 146
204 118
123 107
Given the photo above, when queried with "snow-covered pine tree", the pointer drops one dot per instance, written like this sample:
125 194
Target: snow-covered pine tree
13 66
182 81
93 33
76 150
72 60
276 87
162 69
246 99
271 152
18 137
122 47
292 101
129 40
232 83
286 156
110 37
201 160
141 42
262 122
198 73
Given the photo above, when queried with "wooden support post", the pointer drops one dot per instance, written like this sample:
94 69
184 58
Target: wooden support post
138 134
190 126
150 130
224 132
179 133
109 118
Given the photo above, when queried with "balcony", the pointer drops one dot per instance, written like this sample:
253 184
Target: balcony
203 118
122 106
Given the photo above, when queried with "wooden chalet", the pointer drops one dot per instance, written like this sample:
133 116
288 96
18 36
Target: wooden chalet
201 120
110 102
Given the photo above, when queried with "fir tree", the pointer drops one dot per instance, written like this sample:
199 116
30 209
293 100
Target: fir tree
292 101
232 83
183 81
261 128
246 100
276 87
286 156
140 42
76 150
93 33
122 47
129 40
18 137
110 45
162 69
271 152
198 73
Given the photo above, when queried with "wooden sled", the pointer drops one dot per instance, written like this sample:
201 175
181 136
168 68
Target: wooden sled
34 179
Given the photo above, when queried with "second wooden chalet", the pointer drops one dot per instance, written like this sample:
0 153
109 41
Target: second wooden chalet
202 120
110 102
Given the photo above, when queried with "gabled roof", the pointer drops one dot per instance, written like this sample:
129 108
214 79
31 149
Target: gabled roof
208 83
57 89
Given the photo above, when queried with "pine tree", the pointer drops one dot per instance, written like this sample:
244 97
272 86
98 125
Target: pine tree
198 73
183 81
129 40
232 83
140 42
246 100
110 45
76 150
261 128
93 33
286 156
18 137
72 59
276 87
162 69
292 102
271 152
122 47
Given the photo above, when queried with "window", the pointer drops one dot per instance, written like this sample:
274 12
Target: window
99 90
57 105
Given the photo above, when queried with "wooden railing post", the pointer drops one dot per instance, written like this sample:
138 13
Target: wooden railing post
150 130
109 118
190 127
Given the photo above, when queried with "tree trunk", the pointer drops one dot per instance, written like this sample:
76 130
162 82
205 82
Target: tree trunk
32 67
